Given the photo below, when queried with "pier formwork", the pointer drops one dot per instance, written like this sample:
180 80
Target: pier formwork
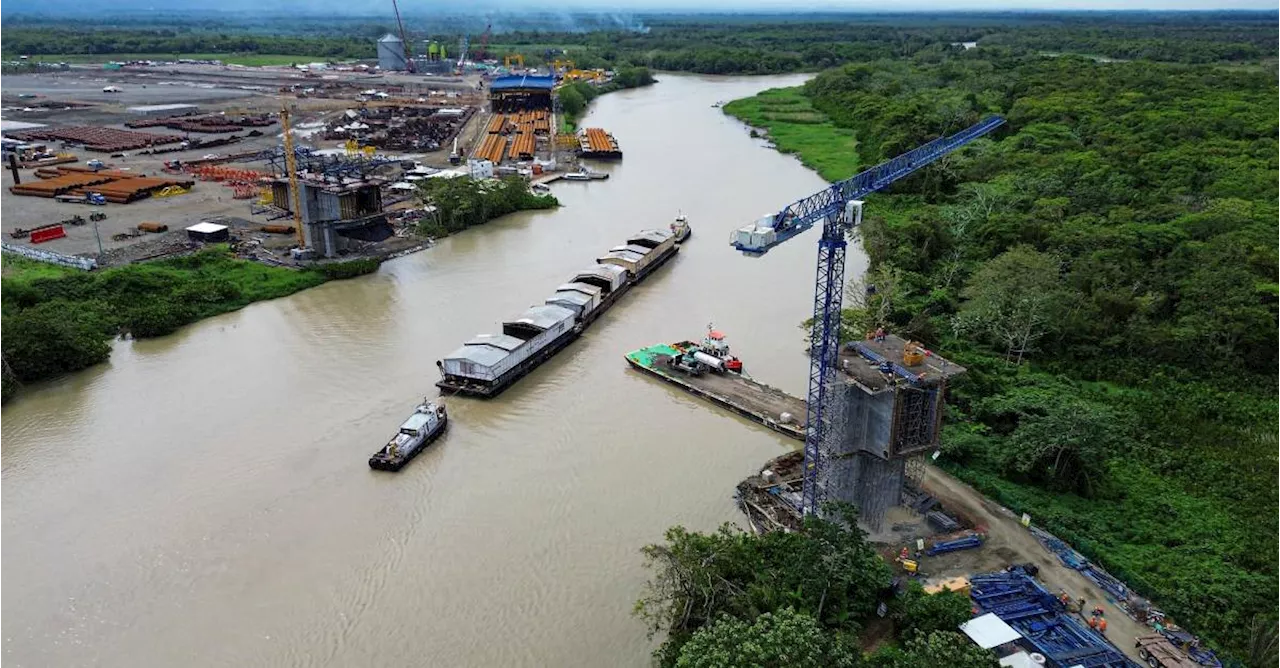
886 408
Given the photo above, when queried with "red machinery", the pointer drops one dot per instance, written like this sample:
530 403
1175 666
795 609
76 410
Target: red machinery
45 233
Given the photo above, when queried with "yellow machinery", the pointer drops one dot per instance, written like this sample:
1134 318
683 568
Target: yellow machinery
291 164
565 65
518 58
265 197
171 191
593 75
352 148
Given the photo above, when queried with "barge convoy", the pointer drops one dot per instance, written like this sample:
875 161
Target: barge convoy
427 423
489 363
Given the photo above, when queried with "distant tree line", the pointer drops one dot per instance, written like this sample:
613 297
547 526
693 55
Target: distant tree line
708 44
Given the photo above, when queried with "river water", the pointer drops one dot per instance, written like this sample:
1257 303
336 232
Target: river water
203 499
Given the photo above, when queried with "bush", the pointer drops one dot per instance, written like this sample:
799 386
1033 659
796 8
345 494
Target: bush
349 268
52 338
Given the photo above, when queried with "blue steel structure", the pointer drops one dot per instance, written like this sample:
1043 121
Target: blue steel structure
830 206
1024 604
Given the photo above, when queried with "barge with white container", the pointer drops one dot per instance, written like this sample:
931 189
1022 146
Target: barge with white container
488 364
708 370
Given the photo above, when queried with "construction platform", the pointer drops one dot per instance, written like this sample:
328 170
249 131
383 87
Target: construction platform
885 362
755 401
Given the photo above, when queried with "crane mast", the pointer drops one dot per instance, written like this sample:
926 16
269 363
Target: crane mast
839 209
408 53
291 166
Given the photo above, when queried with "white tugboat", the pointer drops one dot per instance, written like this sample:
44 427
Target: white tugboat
680 228
425 425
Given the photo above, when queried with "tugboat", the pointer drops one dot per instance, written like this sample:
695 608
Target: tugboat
680 228
426 424
714 345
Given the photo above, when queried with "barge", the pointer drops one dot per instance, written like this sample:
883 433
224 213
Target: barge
488 364
427 423
598 144
755 401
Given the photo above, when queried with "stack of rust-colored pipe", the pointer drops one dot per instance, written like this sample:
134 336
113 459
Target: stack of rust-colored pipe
116 186
59 185
492 148
523 145
97 138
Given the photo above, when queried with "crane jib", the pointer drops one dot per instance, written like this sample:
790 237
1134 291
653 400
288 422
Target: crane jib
804 213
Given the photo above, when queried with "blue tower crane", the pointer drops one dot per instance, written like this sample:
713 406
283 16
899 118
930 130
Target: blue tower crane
839 209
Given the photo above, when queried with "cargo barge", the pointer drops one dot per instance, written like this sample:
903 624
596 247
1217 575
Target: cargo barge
755 401
488 364
598 144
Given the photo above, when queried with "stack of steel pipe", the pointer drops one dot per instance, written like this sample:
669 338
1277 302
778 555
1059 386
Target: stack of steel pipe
97 138
59 185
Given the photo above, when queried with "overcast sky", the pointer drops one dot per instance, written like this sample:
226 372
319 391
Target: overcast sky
839 5
463 7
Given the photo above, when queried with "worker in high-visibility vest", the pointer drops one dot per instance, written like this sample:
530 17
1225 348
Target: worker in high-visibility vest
1093 622
1102 624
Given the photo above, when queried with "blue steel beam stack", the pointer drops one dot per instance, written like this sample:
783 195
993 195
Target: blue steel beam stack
1021 602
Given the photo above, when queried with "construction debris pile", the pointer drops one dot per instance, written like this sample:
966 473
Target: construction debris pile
97 138
771 500
399 128
208 123
115 186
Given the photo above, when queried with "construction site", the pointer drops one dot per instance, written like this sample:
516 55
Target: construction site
171 145
871 421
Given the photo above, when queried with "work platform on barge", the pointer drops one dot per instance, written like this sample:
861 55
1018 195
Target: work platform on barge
755 401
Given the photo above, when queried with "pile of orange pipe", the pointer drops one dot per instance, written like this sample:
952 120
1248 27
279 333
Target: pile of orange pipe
492 148
599 140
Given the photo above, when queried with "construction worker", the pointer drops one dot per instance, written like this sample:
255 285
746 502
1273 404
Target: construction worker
1097 611
1063 598
1102 624
1093 622
1081 610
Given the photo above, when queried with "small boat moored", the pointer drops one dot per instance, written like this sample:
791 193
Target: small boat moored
585 175
426 424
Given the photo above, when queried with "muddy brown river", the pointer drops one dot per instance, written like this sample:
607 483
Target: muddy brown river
203 499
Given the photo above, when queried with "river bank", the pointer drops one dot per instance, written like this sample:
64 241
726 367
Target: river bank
59 320
1101 414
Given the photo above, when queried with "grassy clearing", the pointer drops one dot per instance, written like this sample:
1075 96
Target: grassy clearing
795 127
249 59
20 268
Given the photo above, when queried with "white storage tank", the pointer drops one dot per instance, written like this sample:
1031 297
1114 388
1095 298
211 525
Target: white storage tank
391 53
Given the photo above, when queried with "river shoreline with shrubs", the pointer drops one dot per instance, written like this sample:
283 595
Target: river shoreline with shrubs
57 320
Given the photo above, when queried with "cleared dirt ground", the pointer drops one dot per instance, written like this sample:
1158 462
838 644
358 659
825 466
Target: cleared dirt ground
1009 543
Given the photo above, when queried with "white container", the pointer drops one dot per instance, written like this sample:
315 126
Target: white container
713 362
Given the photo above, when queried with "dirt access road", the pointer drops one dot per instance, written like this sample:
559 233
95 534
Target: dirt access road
1008 542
